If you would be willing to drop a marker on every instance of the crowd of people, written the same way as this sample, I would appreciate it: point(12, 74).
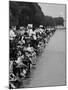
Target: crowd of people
point(26, 43)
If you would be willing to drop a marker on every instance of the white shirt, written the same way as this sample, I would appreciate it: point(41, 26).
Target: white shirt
point(34, 36)
point(11, 34)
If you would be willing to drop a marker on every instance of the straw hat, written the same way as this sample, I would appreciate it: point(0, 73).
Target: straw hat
point(41, 26)
point(30, 26)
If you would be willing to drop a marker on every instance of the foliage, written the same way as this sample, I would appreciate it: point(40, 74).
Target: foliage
point(23, 13)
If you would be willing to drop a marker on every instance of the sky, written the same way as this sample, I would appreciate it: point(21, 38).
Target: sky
point(53, 10)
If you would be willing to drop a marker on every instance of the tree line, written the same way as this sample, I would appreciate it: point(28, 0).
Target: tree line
point(23, 13)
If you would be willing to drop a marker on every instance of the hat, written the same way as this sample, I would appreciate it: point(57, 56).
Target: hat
point(30, 26)
point(41, 26)
point(22, 28)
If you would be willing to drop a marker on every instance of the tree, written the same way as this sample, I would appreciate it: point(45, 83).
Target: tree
point(25, 12)
point(59, 21)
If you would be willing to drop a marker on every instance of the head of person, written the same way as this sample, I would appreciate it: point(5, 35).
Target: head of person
point(30, 26)
point(14, 28)
point(41, 26)
point(22, 28)
point(28, 45)
point(19, 53)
